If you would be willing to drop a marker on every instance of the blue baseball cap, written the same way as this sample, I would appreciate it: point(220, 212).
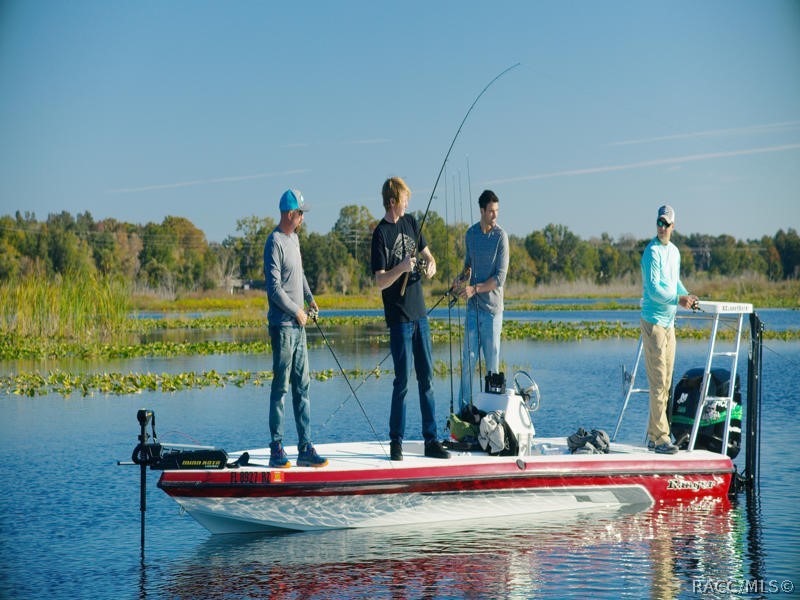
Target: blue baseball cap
point(293, 200)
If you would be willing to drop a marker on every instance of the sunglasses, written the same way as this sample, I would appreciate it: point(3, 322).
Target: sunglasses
point(663, 223)
point(300, 212)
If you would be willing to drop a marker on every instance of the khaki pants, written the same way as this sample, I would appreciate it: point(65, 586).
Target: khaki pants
point(659, 356)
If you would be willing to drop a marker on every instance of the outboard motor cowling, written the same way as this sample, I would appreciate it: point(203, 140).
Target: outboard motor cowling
point(683, 408)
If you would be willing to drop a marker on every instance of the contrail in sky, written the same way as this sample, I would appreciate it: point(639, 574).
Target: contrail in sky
point(647, 163)
point(770, 128)
point(180, 184)
point(364, 142)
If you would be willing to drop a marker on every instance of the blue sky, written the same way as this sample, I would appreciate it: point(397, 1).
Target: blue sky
point(210, 110)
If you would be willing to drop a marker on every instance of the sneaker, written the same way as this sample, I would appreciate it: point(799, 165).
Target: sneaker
point(396, 450)
point(651, 445)
point(277, 456)
point(435, 450)
point(310, 458)
point(666, 448)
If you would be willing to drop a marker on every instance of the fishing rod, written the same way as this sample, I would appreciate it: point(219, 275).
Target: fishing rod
point(444, 162)
point(450, 292)
point(313, 314)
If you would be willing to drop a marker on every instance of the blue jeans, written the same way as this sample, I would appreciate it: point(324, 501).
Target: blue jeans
point(481, 334)
point(289, 365)
point(412, 341)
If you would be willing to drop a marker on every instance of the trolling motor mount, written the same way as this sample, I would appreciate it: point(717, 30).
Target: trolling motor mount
point(173, 457)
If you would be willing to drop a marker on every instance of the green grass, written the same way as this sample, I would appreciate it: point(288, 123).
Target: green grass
point(68, 308)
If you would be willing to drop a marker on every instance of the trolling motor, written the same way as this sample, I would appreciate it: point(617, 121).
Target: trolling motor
point(144, 454)
point(150, 453)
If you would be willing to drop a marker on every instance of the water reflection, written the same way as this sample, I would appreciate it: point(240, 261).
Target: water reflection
point(655, 553)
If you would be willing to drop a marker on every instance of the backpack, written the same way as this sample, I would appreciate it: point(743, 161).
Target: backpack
point(495, 436)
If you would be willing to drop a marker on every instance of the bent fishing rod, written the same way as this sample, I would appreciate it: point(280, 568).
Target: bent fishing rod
point(450, 291)
point(444, 162)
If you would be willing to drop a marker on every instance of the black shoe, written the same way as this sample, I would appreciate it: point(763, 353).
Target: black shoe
point(396, 450)
point(435, 450)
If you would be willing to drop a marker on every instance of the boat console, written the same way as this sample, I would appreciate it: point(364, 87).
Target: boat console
point(515, 404)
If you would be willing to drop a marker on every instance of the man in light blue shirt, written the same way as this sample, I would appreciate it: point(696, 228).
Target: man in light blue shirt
point(486, 266)
point(662, 293)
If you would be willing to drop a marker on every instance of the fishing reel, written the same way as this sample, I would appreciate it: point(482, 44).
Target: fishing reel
point(312, 313)
point(421, 265)
point(457, 289)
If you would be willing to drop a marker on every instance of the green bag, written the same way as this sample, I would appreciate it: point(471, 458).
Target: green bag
point(462, 431)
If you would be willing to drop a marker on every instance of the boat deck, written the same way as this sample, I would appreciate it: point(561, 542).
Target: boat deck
point(366, 456)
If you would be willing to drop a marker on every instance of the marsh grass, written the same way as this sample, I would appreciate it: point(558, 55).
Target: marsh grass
point(76, 308)
point(749, 287)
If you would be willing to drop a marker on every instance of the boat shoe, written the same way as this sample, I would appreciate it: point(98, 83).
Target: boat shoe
point(666, 448)
point(277, 456)
point(435, 450)
point(308, 457)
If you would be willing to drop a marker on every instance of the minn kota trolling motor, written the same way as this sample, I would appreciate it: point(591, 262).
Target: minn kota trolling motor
point(164, 457)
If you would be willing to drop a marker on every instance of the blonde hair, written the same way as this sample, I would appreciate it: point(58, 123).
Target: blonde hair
point(392, 188)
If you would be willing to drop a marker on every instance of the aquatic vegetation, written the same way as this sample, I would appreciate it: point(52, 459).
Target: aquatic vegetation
point(86, 384)
point(27, 334)
point(32, 347)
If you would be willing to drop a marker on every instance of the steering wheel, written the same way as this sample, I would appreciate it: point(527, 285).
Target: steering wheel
point(530, 393)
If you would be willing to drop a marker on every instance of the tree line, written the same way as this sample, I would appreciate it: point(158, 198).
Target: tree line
point(174, 255)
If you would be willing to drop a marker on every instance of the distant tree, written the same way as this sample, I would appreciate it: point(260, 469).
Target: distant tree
point(116, 248)
point(158, 257)
point(327, 263)
point(558, 252)
point(354, 229)
point(609, 259)
point(543, 254)
point(521, 267)
point(190, 251)
point(700, 246)
point(67, 253)
point(788, 246)
point(725, 256)
point(222, 268)
point(249, 247)
point(772, 257)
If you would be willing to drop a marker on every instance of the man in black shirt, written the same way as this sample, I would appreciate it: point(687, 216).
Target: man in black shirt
point(395, 258)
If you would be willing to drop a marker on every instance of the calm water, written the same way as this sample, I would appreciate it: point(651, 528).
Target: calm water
point(69, 516)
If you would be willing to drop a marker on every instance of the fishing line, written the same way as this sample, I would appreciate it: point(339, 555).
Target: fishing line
point(313, 315)
point(377, 369)
point(444, 162)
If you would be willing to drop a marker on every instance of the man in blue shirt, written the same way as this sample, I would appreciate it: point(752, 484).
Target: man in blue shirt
point(662, 293)
point(486, 262)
